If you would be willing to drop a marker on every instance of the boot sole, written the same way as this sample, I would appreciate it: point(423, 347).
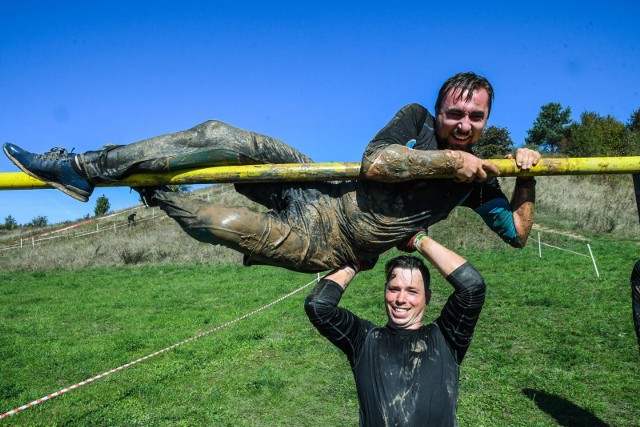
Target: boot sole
point(65, 190)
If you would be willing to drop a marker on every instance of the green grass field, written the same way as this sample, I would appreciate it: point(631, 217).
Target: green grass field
point(554, 346)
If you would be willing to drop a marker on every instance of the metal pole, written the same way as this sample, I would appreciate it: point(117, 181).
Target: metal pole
point(539, 246)
point(594, 260)
point(299, 172)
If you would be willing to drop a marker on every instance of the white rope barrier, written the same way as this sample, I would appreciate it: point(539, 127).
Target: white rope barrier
point(142, 359)
point(595, 266)
point(562, 249)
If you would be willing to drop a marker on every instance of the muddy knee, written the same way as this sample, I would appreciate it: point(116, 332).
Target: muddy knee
point(235, 227)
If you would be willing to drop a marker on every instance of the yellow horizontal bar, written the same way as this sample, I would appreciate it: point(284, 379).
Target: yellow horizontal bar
point(298, 172)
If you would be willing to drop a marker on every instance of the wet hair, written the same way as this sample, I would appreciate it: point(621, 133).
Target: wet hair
point(407, 262)
point(464, 82)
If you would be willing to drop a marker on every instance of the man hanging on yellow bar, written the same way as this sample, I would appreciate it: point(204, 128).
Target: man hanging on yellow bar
point(319, 226)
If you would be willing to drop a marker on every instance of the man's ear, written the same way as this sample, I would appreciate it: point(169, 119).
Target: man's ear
point(427, 297)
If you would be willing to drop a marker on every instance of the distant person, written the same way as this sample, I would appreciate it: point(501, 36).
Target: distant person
point(319, 226)
point(635, 299)
point(406, 372)
point(131, 219)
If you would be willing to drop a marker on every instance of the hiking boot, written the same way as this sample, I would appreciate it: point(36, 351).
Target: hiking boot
point(147, 194)
point(57, 168)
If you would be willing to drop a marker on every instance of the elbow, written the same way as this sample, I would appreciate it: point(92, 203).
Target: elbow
point(317, 311)
point(310, 307)
point(477, 285)
point(381, 175)
point(518, 244)
point(519, 241)
point(481, 287)
point(469, 280)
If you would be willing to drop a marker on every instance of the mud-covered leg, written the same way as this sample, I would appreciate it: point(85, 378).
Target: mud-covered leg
point(212, 143)
point(255, 234)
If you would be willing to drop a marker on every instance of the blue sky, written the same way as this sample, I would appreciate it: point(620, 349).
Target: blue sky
point(323, 76)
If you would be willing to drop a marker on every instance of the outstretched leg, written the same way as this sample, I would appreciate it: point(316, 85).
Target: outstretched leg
point(212, 143)
point(265, 237)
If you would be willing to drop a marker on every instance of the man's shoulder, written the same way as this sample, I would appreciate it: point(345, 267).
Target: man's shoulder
point(417, 109)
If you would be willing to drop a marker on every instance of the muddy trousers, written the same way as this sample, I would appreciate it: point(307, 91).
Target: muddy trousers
point(280, 237)
point(212, 143)
point(308, 241)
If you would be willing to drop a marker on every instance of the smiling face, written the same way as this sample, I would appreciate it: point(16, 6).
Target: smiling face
point(461, 120)
point(406, 298)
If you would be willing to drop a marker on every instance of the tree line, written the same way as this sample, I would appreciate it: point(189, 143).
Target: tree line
point(555, 133)
point(101, 208)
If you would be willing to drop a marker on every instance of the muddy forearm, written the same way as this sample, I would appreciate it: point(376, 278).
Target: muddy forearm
point(397, 163)
point(443, 259)
point(522, 204)
point(342, 275)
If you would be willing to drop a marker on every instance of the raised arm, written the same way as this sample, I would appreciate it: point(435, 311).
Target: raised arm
point(397, 163)
point(522, 204)
point(337, 324)
point(388, 158)
point(512, 221)
point(524, 194)
point(443, 259)
point(460, 314)
point(342, 276)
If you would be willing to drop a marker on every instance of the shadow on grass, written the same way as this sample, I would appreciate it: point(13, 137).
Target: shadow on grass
point(563, 411)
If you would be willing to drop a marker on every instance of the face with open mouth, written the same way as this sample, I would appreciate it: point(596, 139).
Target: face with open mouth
point(460, 121)
point(406, 299)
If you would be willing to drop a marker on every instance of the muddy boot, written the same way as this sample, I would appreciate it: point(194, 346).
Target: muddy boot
point(57, 168)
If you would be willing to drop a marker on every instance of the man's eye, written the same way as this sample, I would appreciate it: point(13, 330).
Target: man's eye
point(477, 117)
point(454, 114)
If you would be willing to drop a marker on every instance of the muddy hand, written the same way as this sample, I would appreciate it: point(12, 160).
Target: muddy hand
point(526, 158)
point(474, 169)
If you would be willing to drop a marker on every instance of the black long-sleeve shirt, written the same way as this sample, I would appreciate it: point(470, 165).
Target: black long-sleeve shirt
point(404, 377)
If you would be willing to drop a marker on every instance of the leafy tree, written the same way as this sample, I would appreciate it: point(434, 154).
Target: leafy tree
point(596, 136)
point(633, 125)
point(10, 223)
point(494, 143)
point(39, 221)
point(631, 143)
point(102, 205)
point(551, 128)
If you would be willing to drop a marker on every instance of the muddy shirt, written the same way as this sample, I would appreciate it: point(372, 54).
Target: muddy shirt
point(377, 216)
point(404, 377)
